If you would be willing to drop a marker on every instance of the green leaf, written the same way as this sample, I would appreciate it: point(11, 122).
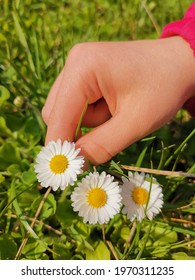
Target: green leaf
point(100, 252)
point(2, 38)
point(33, 249)
point(179, 229)
point(4, 130)
point(8, 247)
point(125, 231)
point(65, 213)
point(189, 210)
point(163, 235)
point(80, 238)
point(19, 213)
point(32, 127)
point(28, 177)
point(9, 154)
point(182, 256)
point(14, 122)
point(2, 178)
point(62, 252)
point(49, 207)
point(4, 95)
point(27, 197)
point(83, 229)
point(14, 169)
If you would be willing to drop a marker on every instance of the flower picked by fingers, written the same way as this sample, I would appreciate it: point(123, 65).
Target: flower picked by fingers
point(97, 198)
point(58, 164)
point(142, 196)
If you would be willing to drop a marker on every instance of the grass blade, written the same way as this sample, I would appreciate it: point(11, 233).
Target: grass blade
point(180, 147)
point(23, 42)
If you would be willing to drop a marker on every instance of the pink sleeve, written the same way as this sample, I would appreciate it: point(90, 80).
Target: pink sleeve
point(184, 27)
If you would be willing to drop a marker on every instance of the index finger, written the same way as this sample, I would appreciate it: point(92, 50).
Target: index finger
point(70, 100)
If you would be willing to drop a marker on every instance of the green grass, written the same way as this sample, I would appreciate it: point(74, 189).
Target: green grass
point(35, 39)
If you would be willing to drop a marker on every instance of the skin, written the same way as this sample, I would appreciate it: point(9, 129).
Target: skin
point(132, 88)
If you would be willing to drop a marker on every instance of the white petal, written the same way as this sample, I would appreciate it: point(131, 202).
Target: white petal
point(102, 214)
point(155, 202)
point(59, 180)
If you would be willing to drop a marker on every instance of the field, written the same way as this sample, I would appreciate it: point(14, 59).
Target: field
point(35, 38)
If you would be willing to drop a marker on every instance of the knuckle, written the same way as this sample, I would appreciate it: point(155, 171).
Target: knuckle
point(78, 51)
point(82, 54)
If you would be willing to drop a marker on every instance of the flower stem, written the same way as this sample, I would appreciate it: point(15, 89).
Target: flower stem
point(144, 243)
point(111, 247)
point(80, 120)
point(130, 238)
point(103, 233)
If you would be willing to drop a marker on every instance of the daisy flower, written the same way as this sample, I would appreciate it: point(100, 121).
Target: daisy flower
point(141, 196)
point(58, 164)
point(97, 198)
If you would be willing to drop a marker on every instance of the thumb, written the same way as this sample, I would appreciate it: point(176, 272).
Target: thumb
point(108, 139)
point(134, 121)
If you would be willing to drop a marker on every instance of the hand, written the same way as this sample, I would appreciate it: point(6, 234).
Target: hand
point(132, 88)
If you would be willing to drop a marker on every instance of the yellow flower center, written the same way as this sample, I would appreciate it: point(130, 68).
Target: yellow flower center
point(140, 195)
point(58, 164)
point(97, 197)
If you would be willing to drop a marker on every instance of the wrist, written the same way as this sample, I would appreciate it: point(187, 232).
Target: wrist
point(184, 28)
point(181, 59)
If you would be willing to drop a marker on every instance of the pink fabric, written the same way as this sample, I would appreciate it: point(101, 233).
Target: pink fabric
point(184, 27)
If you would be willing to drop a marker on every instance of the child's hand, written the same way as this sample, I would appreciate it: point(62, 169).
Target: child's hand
point(133, 88)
